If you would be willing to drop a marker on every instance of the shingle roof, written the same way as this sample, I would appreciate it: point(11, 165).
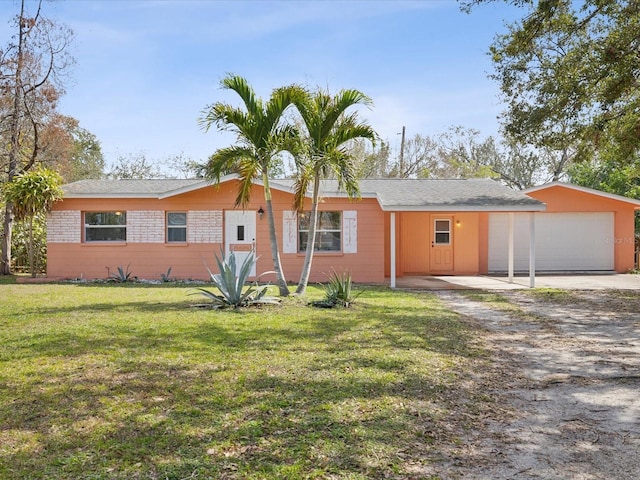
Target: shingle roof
point(392, 194)
point(431, 194)
point(126, 188)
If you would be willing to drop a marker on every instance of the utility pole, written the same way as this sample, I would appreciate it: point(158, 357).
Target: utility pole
point(401, 167)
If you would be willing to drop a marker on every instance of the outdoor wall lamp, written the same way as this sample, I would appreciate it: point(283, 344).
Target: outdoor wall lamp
point(260, 212)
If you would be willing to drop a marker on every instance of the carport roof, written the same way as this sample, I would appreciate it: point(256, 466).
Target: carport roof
point(391, 194)
point(476, 194)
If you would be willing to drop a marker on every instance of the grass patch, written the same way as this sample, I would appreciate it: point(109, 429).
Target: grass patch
point(553, 294)
point(7, 279)
point(127, 381)
point(494, 300)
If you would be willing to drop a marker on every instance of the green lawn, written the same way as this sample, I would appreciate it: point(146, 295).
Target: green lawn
point(130, 382)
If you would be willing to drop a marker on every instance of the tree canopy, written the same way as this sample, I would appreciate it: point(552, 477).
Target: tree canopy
point(569, 73)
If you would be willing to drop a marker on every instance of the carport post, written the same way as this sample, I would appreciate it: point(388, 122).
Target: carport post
point(532, 250)
point(510, 247)
point(393, 248)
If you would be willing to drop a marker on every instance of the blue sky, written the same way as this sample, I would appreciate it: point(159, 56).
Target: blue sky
point(146, 69)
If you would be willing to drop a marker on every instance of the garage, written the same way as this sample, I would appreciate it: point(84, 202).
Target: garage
point(565, 242)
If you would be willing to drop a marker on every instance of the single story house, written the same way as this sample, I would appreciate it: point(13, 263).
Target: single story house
point(398, 227)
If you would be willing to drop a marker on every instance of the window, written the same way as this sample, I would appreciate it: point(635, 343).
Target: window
point(442, 232)
point(328, 232)
point(105, 226)
point(176, 226)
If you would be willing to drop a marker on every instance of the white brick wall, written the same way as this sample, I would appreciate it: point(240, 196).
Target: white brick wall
point(145, 226)
point(204, 226)
point(64, 226)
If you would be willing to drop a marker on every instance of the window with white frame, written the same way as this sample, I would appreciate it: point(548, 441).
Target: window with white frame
point(176, 227)
point(442, 232)
point(105, 226)
point(328, 232)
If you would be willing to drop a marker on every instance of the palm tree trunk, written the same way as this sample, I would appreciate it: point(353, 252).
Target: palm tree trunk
point(273, 237)
point(311, 239)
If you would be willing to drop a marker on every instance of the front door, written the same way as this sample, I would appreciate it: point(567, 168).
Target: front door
point(240, 235)
point(441, 257)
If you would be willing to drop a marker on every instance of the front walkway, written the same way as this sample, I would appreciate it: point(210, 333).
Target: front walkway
point(570, 282)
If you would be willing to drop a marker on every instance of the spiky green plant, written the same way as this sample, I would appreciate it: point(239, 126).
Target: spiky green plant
point(338, 291)
point(166, 277)
point(122, 275)
point(231, 282)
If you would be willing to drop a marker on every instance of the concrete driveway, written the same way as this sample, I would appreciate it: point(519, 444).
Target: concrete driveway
point(569, 282)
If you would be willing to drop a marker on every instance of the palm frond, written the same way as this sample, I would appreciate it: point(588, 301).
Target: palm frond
point(240, 85)
point(225, 160)
point(280, 100)
point(304, 178)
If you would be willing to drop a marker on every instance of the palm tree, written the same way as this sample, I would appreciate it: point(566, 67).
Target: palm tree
point(324, 153)
point(33, 193)
point(261, 135)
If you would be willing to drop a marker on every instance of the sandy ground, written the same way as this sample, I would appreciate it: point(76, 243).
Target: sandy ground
point(570, 369)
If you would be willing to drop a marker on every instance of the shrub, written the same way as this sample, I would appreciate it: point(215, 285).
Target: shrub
point(338, 291)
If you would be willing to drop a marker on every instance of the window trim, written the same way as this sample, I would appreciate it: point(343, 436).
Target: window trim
point(175, 227)
point(436, 231)
point(337, 230)
point(88, 226)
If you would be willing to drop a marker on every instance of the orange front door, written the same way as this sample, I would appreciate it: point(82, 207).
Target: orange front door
point(441, 232)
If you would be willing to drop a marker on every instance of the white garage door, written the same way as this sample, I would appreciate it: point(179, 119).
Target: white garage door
point(565, 242)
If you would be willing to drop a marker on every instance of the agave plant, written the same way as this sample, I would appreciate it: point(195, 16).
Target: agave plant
point(338, 291)
point(122, 276)
point(230, 282)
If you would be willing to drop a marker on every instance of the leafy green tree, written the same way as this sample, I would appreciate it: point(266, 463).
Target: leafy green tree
point(261, 136)
point(22, 232)
point(33, 193)
point(324, 152)
point(609, 175)
point(86, 161)
point(71, 150)
point(569, 74)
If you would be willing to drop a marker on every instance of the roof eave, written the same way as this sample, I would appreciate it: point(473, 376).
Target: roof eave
point(593, 191)
point(110, 195)
point(464, 208)
point(187, 189)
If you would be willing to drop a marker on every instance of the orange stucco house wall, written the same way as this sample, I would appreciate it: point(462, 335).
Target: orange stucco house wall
point(152, 255)
point(439, 227)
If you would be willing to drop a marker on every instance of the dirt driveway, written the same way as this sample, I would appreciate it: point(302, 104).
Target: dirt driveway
point(570, 363)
